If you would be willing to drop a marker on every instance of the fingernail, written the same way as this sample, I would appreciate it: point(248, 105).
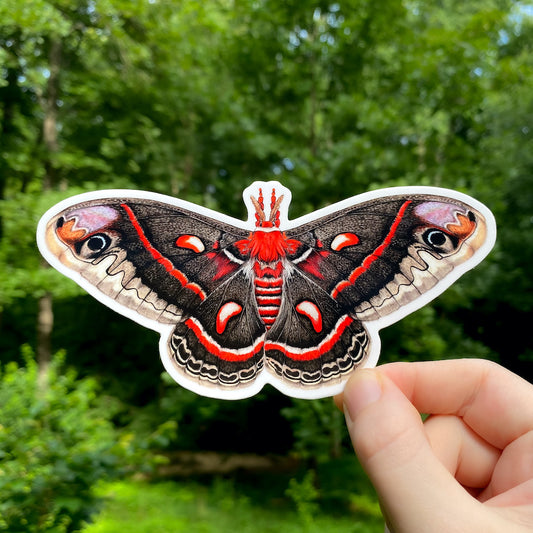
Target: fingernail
point(363, 389)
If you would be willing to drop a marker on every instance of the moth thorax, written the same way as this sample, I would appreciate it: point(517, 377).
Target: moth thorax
point(268, 283)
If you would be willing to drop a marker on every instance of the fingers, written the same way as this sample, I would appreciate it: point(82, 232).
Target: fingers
point(483, 409)
point(478, 465)
point(519, 497)
point(514, 468)
point(414, 487)
point(495, 403)
point(465, 455)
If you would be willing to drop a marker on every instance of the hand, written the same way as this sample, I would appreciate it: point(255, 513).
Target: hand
point(468, 468)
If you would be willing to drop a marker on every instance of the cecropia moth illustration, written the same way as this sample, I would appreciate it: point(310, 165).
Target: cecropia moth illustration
point(294, 303)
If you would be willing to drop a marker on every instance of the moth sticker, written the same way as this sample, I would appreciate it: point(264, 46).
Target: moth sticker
point(294, 303)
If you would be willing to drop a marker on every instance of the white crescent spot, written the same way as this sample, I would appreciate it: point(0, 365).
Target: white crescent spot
point(227, 311)
point(344, 239)
point(312, 312)
point(191, 242)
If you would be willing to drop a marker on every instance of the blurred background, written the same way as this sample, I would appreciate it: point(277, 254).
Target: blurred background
point(196, 100)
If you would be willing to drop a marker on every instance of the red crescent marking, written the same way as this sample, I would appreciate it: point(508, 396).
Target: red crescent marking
point(312, 312)
point(316, 352)
point(342, 240)
point(169, 267)
point(369, 259)
point(228, 310)
point(191, 242)
point(215, 349)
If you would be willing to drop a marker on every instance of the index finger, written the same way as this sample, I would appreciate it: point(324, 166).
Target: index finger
point(494, 402)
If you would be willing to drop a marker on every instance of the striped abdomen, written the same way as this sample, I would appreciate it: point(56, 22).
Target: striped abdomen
point(268, 290)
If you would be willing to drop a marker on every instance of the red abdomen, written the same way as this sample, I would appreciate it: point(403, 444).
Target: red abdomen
point(268, 284)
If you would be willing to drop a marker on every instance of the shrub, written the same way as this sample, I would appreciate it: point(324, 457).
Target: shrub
point(56, 442)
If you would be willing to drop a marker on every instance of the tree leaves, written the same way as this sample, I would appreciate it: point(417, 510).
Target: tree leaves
point(197, 99)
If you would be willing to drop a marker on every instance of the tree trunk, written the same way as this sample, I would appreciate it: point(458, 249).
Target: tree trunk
point(10, 94)
point(45, 324)
point(45, 315)
point(50, 108)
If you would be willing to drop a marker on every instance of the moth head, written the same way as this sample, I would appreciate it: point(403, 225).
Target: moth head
point(445, 226)
point(261, 220)
point(87, 231)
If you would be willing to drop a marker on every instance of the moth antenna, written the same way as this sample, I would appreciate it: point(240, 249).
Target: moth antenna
point(259, 213)
point(274, 213)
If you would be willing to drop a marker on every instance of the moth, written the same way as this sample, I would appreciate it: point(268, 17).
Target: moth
point(294, 303)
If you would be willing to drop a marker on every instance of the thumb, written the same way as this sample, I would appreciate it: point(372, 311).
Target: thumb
point(417, 493)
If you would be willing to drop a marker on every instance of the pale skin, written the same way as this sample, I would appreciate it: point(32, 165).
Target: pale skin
point(468, 468)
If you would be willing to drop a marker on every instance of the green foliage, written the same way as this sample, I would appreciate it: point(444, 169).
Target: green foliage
point(252, 425)
point(221, 507)
point(56, 443)
point(365, 504)
point(20, 263)
point(318, 428)
point(304, 494)
point(430, 334)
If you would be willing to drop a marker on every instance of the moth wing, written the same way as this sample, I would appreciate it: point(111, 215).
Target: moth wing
point(171, 267)
point(314, 342)
point(384, 257)
point(221, 346)
point(140, 256)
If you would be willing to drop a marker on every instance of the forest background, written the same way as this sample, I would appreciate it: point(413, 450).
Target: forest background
point(196, 100)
